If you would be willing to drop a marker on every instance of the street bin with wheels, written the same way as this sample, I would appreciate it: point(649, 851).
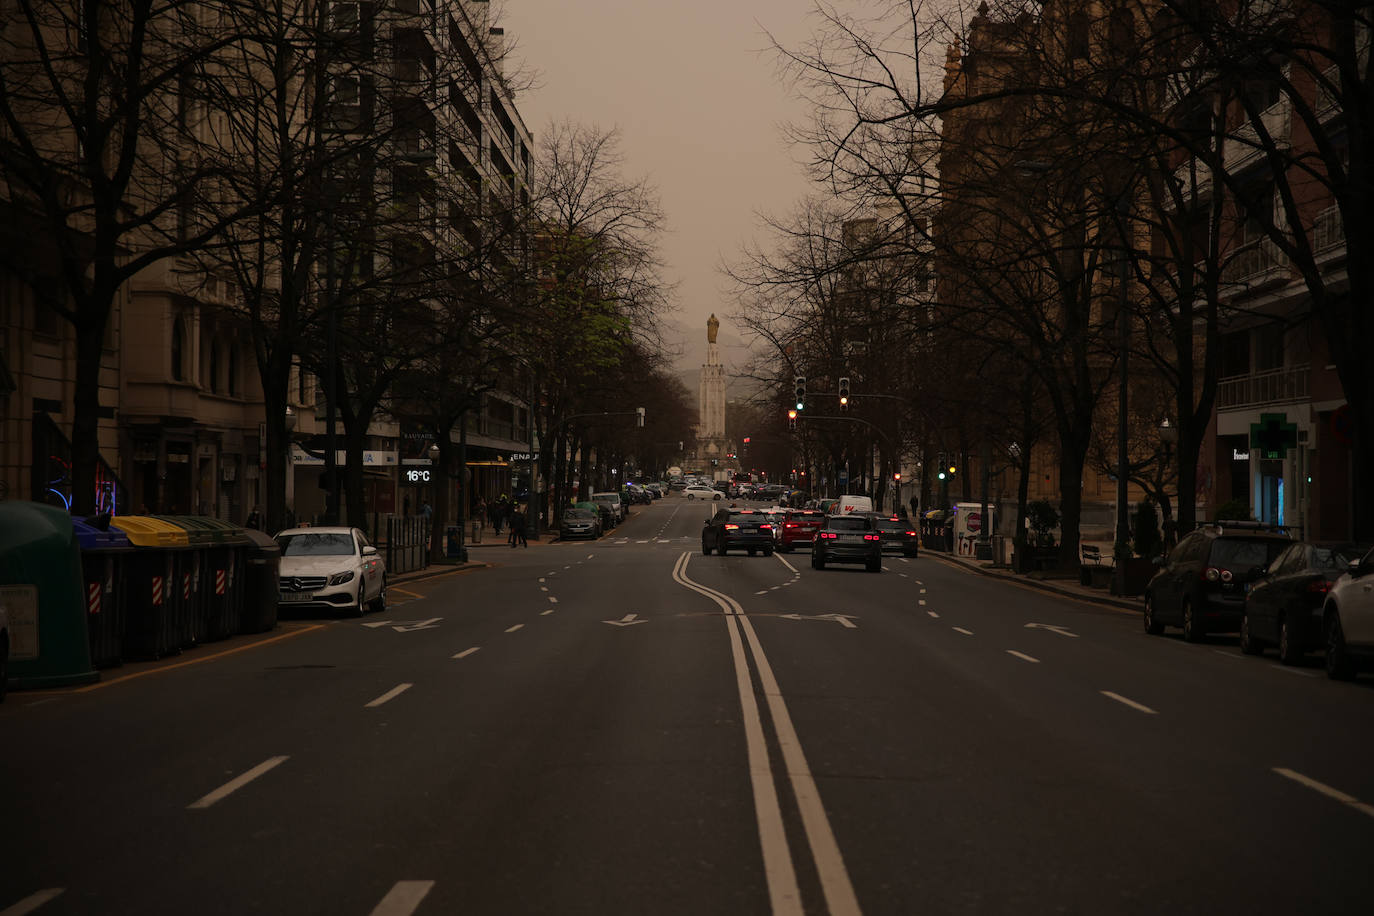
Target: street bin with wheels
point(217, 590)
point(157, 585)
point(40, 590)
point(103, 557)
point(193, 622)
point(261, 582)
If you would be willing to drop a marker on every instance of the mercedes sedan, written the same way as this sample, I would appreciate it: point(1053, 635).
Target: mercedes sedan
point(331, 568)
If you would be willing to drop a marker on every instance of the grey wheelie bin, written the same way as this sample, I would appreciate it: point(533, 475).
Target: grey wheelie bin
point(262, 583)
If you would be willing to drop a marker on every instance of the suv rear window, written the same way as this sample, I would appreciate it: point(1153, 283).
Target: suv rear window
point(848, 523)
point(892, 524)
point(1245, 553)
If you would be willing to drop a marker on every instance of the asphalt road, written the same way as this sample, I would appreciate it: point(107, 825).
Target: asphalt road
point(629, 727)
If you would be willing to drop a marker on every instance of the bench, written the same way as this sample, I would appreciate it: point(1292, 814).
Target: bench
point(1093, 573)
point(1093, 554)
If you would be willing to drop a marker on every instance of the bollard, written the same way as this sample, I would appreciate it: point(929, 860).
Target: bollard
point(476, 532)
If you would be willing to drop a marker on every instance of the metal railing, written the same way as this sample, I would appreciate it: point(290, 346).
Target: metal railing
point(407, 544)
point(1254, 260)
point(1274, 386)
point(1328, 230)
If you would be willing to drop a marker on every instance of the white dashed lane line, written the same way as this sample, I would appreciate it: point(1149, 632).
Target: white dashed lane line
point(238, 782)
point(962, 630)
point(403, 898)
point(518, 626)
point(1326, 790)
point(1023, 656)
point(466, 652)
point(32, 902)
point(546, 613)
point(1131, 703)
point(390, 695)
point(932, 613)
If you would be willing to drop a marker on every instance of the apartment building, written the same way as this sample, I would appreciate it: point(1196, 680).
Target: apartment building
point(182, 425)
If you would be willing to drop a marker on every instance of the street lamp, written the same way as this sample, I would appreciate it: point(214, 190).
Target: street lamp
point(1168, 435)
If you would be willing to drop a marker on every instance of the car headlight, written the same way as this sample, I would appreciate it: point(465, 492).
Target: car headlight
point(341, 578)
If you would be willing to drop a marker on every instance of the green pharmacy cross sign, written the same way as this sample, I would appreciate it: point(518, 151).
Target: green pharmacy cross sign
point(1273, 435)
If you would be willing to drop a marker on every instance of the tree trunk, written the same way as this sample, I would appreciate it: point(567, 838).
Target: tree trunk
point(90, 345)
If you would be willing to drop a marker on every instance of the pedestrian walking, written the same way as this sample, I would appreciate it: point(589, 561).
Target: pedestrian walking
point(496, 518)
point(915, 507)
point(517, 529)
point(254, 519)
point(481, 512)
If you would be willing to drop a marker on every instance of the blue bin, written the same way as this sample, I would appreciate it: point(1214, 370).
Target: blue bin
point(104, 554)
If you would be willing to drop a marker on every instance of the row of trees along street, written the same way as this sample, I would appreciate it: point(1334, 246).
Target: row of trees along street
point(1071, 175)
point(284, 149)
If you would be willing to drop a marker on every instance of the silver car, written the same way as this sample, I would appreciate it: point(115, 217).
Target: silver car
point(331, 568)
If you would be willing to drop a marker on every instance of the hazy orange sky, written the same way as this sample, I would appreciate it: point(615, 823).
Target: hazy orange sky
point(694, 90)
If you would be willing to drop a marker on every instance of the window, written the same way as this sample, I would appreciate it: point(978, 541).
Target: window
point(343, 17)
point(179, 349)
point(1234, 355)
point(232, 381)
point(214, 366)
point(1269, 347)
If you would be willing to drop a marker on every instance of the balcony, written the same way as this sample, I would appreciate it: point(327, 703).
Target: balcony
point(1276, 386)
point(1243, 144)
point(1255, 264)
point(1328, 231)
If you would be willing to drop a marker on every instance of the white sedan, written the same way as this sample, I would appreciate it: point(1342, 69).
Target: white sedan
point(332, 568)
point(699, 492)
point(1349, 621)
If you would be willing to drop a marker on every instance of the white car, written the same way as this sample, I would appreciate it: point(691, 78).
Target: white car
point(613, 502)
point(1348, 619)
point(700, 492)
point(332, 568)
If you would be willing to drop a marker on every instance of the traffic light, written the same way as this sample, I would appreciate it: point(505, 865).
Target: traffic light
point(844, 393)
point(746, 447)
point(791, 419)
point(799, 391)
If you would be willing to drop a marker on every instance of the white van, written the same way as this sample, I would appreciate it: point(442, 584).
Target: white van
point(613, 499)
point(850, 505)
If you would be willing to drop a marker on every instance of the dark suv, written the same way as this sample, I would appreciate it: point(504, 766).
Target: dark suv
point(848, 539)
point(736, 529)
point(1201, 585)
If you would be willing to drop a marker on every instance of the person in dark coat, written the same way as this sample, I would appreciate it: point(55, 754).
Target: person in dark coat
point(517, 529)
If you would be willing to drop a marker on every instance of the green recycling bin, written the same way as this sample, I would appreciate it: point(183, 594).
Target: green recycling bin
point(40, 589)
point(193, 623)
point(216, 598)
point(158, 585)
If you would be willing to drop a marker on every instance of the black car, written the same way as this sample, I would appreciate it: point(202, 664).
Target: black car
point(738, 529)
point(579, 523)
point(1284, 606)
point(1202, 583)
point(848, 539)
point(898, 536)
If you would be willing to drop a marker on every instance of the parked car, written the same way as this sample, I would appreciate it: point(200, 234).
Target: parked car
point(1201, 584)
point(848, 539)
point(799, 528)
point(613, 502)
point(603, 512)
point(737, 529)
point(1284, 606)
point(1348, 621)
point(898, 535)
point(700, 492)
point(579, 523)
point(331, 568)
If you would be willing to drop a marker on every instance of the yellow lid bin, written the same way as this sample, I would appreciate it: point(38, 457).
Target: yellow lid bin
point(159, 581)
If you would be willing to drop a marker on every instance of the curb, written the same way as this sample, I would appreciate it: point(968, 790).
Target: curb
point(1044, 585)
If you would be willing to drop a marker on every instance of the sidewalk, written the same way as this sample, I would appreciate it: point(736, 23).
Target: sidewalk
point(1069, 587)
point(480, 556)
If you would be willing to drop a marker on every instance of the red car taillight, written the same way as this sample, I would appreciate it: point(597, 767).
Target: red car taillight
point(911, 534)
point(1319, 586)
point(873, 537)
point(828, 535)
point(765, 527)
point(790, 525)
point(732, 527)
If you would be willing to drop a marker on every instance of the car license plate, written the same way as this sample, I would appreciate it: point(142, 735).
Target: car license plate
point(297, 596)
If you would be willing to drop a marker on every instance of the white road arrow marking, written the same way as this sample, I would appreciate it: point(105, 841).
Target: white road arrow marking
point(429, 624)
point(1062, 631)
point(627, 621)
point(842, 619)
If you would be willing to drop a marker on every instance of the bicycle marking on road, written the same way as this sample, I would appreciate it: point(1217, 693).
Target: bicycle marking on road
point(1023, 656)
point(403, 898)
point(390, 695)
point(237, 783)
point(33, 902)
point(1141, 707)
point(466, 652)
point(1324, 789)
